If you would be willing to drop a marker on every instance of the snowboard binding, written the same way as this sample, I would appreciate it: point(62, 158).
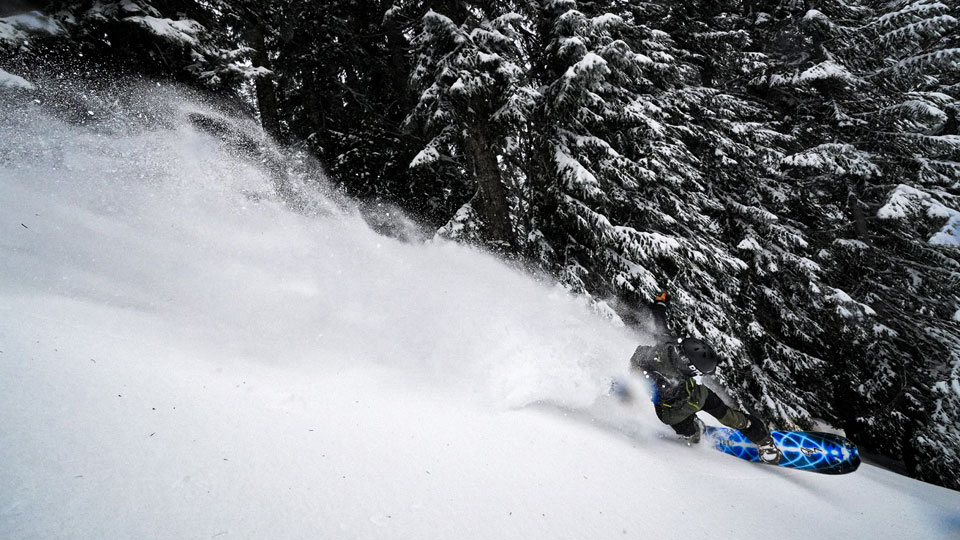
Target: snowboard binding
point(768, 451)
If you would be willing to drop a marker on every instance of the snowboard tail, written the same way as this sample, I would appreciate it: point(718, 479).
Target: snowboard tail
point(814, 451)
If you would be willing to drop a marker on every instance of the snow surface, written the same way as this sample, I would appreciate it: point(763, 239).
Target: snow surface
point(183, 357)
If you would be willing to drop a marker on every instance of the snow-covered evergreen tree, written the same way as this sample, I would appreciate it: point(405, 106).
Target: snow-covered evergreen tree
point(174, 38)
point(617, 192)
point(865, 96)
point(914, 284)
point(773, 338)
point(340, 68)
point(475, 95)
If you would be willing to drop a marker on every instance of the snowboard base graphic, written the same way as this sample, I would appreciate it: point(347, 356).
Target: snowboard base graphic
point(814, 451)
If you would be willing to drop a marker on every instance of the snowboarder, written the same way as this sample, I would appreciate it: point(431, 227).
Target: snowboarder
point(671, 366)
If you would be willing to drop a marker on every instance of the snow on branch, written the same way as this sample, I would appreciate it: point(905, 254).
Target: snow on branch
point(741, 37)
point(907, 201)
point(591, 66)
point(936, 26)
point(424, 157)
point(826, 70)
point(463, 226)
point(945, 58)
point(843, 301)
point(949, 235)
point(588, 141)
point(16, 29)
point(518, 106)
point(943, 143)
point(920, 109)
point(749, 244)
point(183, 31)
point(815, 15)
point(834, 158)
point(434, 22)
point(903, 202)
point(650, 244)
point(936, 171)
point(571, 19)
point(560, 4)
point(922, 8)
point(759, 214)
point(578, 178)
point(9, 81)
point(606, 22)
point(799, 360)
point(572, 46)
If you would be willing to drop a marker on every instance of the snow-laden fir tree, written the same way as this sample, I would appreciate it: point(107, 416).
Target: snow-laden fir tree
point(177, 39)
point(475, 98)
point(773, 340)
point(619, 194)
point(736, 143)
point(918, 222)
point(865, 95)
point(338, 71)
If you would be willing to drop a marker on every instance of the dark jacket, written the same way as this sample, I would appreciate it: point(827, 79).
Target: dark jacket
point(677, 397)
point(660, 363)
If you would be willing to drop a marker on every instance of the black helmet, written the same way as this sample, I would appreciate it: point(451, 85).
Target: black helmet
point(698, 357)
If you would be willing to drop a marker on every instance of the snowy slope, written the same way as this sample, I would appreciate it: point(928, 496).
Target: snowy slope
point(183, 357)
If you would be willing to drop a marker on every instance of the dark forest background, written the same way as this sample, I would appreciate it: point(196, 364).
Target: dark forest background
point(790, 170)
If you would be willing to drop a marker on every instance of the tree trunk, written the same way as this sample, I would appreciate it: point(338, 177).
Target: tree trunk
point(856, 207)
point(266, 94)
point(909, 452)
point(491, 192)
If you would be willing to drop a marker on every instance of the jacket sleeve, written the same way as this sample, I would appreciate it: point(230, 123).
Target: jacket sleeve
point(644, 358)
point(659, 313)
point(666, 384)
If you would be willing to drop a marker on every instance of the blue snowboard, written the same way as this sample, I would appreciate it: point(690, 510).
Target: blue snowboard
point(805, 450)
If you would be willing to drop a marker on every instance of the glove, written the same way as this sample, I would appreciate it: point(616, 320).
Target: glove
point(662, 298)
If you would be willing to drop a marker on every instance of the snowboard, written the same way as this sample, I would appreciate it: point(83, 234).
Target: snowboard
point(814, 451)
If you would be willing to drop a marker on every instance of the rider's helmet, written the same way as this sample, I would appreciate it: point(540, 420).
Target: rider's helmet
point(697, 357)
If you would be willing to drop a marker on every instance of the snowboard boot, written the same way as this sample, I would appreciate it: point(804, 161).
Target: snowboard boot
point(769, 453)
point(757, 433)
point(695, 438)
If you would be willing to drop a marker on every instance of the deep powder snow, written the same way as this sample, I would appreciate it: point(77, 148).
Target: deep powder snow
point(182, 355)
